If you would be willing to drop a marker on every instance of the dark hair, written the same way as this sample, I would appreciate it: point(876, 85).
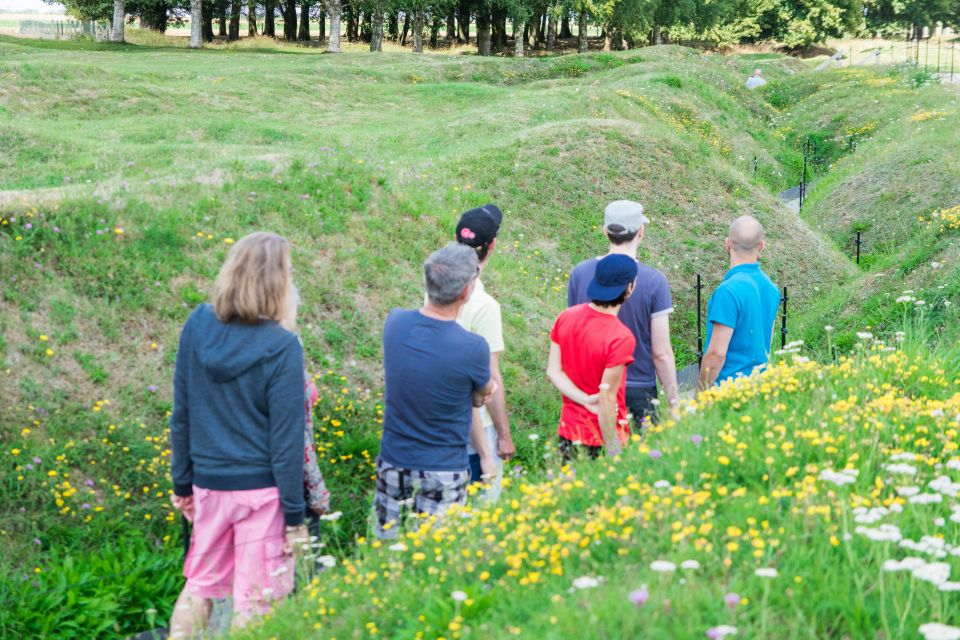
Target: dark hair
point(482, 250)
point(613, 303)
point(618, 235)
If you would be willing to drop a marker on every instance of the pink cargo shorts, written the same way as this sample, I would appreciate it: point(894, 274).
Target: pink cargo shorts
point(237, 548)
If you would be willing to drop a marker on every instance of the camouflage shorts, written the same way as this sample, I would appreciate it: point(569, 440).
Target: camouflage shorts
point(431, 492)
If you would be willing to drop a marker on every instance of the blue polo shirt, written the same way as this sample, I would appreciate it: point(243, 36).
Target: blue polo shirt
point(746, 301)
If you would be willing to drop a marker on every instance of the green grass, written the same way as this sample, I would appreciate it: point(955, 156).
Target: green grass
point(736, 485)
point(364, 162)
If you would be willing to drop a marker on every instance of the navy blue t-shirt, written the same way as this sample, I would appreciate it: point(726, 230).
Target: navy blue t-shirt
point(431, 369)
point(650, 297)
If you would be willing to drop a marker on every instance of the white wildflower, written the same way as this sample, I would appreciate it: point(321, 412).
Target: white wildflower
point(336, 515)
point(459, 596)
point(864, 335)
point(663, 566)
point(903, 469)
point(398, 547)
point(327, 561)
point(585, 582)
point(907, 564)
point(766, 572)
point(934, 572)
point(692, 565)
point(533, 437)
point(906, 492)
point(937, 631)
point(925, 498)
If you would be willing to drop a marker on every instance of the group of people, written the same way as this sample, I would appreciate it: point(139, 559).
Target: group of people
point(243, 461)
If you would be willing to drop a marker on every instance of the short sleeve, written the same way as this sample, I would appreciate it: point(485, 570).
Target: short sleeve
point(478, 362)
point(662, 301)
point(620, 350)
point(489, 325)
point(555, 332)
point(724, 308)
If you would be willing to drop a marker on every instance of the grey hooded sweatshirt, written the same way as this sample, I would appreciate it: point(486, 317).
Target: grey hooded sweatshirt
point(238, 417)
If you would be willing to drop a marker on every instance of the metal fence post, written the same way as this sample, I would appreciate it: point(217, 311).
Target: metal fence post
point(754, 165)
point(783, 319)
point(858, 242)
point(699, 323)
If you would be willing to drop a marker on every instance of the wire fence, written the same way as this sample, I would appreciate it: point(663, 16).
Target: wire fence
point(65, 29)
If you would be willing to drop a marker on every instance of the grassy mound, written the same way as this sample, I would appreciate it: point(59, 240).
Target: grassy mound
point(128, 182)
point(773, 505)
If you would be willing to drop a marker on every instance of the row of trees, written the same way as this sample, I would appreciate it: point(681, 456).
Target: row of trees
point(533, 23)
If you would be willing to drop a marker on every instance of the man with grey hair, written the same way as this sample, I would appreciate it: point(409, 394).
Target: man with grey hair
point(435, 372)
point(742, 311)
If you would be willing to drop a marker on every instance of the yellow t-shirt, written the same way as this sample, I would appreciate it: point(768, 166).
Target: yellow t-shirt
point(481, 315)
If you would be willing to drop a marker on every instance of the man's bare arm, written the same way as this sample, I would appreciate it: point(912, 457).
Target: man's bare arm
point(564, 384)
point(715, 356)
point(609, 386)
point(498, 411)
point(663, 359)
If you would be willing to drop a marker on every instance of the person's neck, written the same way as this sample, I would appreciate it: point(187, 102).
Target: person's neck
point(736, 260)
point(629, 249)
point(610, 311)
point(449, 312)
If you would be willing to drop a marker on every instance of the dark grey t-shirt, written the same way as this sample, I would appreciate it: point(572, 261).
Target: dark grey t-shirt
point(651, 297)
point(431, 369)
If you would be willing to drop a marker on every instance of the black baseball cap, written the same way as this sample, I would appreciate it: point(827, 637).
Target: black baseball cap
point(479, 227)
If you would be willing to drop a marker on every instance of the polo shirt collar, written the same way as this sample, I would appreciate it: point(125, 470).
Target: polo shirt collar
point(742, 268)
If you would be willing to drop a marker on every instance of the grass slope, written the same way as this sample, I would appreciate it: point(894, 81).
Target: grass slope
point(762, 508)
point(133, 167)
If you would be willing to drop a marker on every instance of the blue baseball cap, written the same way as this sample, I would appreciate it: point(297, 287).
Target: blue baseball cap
point(613, 275)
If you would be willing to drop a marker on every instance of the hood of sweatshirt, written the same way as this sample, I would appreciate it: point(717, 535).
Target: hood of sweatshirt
point(228, 350)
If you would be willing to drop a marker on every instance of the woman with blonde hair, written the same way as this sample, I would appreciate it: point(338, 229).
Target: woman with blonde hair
point(237, 437)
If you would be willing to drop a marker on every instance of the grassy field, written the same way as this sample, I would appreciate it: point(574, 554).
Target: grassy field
point(131, 168)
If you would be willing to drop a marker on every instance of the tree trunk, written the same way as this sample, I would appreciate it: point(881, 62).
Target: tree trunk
point(495, 32)
point(418, 30)
point(234, 33)
point(393, 26)
point(376, 27)
point(517, 41)
point(154, 17)
point(322, 26)
point(463, 21)
point(252, 18)
point(451, 26)
point(206, 15)
point(290, 20)
point(222, 19)
point(551, 33)
point(483, 33)
point(655, 36)
point(333, 9)
point(582, 32)
point(269, 19)
point(116, 25)
point(406, 28)
point(565, 27)
point(534, 31)
point(607, 38)
point(435, 31)
point(542, 29)
point(364, 26)
point(304, 33)
point(196, 24)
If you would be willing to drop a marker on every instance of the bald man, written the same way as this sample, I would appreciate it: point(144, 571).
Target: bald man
point(756, 80)
point(742, 311)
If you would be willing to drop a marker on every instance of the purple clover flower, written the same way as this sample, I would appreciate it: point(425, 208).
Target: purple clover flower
point(696, 438)
point(655, 454)
point(639, 596)
point(732, 599)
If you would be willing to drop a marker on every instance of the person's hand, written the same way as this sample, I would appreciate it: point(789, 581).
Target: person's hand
point(493, 389)
point(592, 403)
point(295, 539)
point(674, 408)
point(184, 504)
point(505, 447)
point(488, 468)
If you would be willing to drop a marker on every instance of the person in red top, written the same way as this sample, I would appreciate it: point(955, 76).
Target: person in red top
point(589, 351)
